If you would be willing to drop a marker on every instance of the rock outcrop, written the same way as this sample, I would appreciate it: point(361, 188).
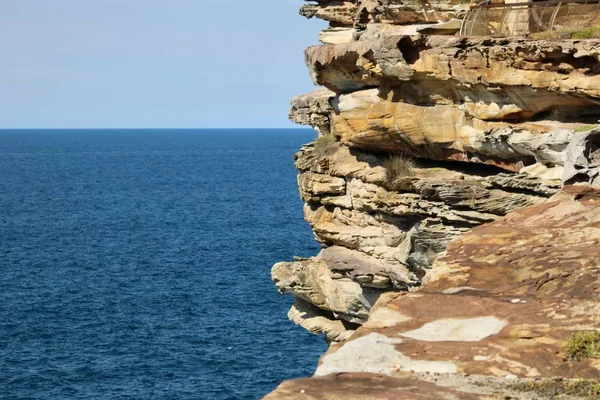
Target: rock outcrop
point(501, 303)
point(380, 235)
point(582, 164)
point(452, 187)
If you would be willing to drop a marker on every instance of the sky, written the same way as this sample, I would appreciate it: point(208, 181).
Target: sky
point(152, 63)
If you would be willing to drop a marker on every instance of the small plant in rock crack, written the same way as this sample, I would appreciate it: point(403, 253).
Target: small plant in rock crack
point(398, 166)
point(585, 128)
point(583, 344)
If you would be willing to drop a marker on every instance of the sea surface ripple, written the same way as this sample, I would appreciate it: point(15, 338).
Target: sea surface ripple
point(135, 264)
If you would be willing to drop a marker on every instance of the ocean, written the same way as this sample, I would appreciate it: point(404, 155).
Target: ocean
point(135, 264)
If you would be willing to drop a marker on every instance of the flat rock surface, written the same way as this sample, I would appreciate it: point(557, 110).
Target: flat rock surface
point(363, 387)
point(543, 251)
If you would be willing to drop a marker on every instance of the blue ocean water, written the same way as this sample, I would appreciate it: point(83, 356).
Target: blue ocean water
point(135, 264)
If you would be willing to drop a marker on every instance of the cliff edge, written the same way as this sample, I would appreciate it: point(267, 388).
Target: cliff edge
point(454, 187)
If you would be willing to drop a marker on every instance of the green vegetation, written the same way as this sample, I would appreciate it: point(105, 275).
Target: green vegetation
point(585, 128)
point(592, 32)
point(583, 344)
point(580, 345)
point(325, 145)
point(589, 388)
point(398, 166)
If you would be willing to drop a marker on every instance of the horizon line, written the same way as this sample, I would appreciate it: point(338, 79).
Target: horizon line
point(150, 129)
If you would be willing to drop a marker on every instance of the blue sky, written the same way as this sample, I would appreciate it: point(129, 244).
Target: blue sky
point(151, 63)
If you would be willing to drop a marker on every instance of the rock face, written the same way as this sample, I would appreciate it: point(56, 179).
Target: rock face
point(379, 235)
point(501, 303)
point(361, 14)
point(507, 103)
point(582, 164)
point(452, 187)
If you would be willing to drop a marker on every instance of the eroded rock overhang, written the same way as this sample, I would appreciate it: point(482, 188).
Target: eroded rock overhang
point(485, 124)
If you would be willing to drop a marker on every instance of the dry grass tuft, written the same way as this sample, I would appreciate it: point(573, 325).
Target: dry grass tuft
point(398, 166)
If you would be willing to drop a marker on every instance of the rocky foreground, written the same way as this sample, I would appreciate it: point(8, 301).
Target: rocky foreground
point(455, 189)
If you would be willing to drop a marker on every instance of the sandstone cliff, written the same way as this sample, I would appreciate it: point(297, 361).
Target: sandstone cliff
point(453, 189)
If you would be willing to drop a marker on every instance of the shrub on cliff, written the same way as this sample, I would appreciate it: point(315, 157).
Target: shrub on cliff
point(592, 32)
point(584, 344)
point(398, 166)
point(559, 387)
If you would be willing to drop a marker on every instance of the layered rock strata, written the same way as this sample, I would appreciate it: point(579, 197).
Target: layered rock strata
point(485, 124)
point(493, 315)
point(380, 236)
point(435, 188)
point(349, 19)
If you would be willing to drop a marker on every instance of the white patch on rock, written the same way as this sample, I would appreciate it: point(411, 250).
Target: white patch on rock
point(542, 171)
point(375, 353)
point(457, 330)
point(336, 35)
point(349, 102)
point(454, 290)
point(384, 317)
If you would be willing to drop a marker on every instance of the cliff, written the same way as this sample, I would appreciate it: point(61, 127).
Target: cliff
point(454, 189)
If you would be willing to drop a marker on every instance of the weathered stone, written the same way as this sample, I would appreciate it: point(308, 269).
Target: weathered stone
point(363, 386)
point(445, 132)
point(313, 186)
point(413, 207)
point(376, 353)
point(431, 137)
point(412, 11)
point(449, 183)
point(382, 238)
point(313, 109)
point(474, 334)
point(583, 159)
point(342, 162)
point(450, 99)
point(498, 63)
point(502, 302)
point(336, 12)
point(364, 13)
point(525, 183)
point(337, 35)
point(313, 282)
point(366, 270)
point(404, 386)
point(318, 321)
point(450, 27)
point(356, 65)
point(544, 250)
